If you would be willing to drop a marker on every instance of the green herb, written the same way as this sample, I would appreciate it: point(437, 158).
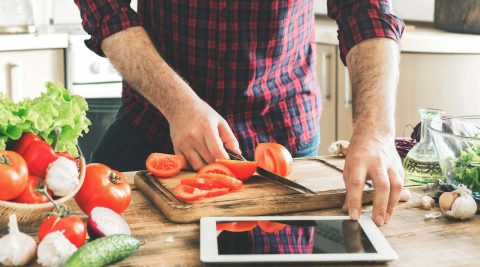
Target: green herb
point(54, 108)
point(467, 167)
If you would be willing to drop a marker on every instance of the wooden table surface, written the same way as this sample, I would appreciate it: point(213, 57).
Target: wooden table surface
point(417, 241)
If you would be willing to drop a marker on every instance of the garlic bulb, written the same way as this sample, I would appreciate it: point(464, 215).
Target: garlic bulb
point(54, 250)
point(426, 203)
point(16, 248)
point(339, 148)
point(62, 176)
point(458, 204)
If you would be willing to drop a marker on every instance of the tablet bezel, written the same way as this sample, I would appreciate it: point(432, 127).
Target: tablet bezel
point(209, 253)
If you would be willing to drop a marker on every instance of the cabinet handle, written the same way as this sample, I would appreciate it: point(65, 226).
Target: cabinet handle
point(326, 91)
point(16, 82)
point(347, 102)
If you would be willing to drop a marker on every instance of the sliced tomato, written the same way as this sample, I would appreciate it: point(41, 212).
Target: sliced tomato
point(202, 183)
point(271, 227)
point(241, 169)
point(216, 168)
point(221, 181)
point(236, 226)
point(215, 192)
point(164, 165)
point(189, 193)
point(274, 157)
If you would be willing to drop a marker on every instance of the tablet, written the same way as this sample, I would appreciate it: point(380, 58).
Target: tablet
point(292, 239)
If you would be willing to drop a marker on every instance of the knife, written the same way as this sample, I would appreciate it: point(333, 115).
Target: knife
point(273, 176)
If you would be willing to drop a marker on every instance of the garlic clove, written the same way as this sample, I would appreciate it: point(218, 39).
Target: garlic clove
point(405, 195)
point(426, 203)
point(446, 200)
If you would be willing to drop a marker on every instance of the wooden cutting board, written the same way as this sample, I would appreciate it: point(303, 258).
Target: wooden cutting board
point(258, 196)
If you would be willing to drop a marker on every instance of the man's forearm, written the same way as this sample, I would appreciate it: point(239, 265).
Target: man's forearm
point(135, 57)
point(373, 68)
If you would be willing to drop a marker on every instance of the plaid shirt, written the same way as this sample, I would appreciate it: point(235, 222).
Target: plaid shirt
point(290, 240)
point(252, 61)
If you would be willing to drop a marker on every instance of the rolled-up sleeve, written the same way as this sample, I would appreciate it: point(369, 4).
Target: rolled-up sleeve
point(359, 20)
point(102, 18)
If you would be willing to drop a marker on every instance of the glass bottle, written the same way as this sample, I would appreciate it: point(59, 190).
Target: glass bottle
point(421, 164)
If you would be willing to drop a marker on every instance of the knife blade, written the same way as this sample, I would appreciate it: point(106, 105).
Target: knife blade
point(273, 176)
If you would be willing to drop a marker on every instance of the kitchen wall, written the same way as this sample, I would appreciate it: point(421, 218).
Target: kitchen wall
point(417, 10)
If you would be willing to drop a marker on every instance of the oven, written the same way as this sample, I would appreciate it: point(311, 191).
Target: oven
point(94, 78)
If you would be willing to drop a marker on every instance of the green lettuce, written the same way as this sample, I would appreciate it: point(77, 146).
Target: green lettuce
point(54, 109)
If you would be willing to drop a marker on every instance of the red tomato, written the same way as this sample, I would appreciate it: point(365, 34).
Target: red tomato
point(188, 193)
point(37, 153)
point(25, 141)
point(241, 169)
point(29, 195)
point(216, 168)
point(271, 227)
point(73, 228)
point(165, 165)
point(236, 226)
point(13, 175)
point(215, 192)
point(221, 181)
point(103, 187)
point(274, 157)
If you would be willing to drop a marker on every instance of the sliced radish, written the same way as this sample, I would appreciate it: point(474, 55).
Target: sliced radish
point(104, 222)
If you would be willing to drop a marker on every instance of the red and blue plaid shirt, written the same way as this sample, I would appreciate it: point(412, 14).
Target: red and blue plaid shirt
point(252, 61)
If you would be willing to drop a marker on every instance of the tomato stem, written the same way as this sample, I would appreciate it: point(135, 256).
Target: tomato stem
point(4, 160)
point(62, 211)
point(114, 178)
point(57, 131)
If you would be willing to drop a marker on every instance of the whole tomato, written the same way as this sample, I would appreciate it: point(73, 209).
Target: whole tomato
point(13, 175)
point(72, 227)
point(29, 195)
point(103, 187)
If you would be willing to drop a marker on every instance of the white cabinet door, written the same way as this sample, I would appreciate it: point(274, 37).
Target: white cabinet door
point(24, 73)
point(344, 103)
point(444, 81)
point(326, 74)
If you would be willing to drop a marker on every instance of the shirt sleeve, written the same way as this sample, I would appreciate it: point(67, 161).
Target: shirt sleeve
point(102, 18)
point(359, 20)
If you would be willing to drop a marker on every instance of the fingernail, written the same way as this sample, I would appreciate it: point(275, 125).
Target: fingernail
point(379, 220)
point(354, 214)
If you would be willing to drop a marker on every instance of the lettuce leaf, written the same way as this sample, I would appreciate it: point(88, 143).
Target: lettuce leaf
point(55, 108)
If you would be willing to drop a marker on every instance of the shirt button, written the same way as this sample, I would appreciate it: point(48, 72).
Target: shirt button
point(225, 12)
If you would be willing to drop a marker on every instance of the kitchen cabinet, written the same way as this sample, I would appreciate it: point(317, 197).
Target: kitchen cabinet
point(24, 73)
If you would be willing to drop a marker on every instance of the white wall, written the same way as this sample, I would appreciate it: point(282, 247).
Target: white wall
point(418, 10)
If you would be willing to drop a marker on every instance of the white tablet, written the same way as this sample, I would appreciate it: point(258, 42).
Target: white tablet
point(292, 239)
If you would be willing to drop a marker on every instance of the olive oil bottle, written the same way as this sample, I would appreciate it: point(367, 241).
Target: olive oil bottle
point(421, 164)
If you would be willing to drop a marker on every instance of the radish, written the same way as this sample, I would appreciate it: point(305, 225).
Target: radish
point(104, 222)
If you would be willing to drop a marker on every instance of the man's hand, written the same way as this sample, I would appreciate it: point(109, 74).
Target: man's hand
point(197, 131)
point(200, 134)
point(373, 68)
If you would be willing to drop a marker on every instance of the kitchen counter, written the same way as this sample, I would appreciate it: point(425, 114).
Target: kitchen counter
point(417, 241)
point(415, 39)
point(12, 42)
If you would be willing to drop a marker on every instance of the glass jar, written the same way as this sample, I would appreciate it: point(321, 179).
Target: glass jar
point(421, 164)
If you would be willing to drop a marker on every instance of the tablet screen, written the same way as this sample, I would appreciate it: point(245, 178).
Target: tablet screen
point(292, 237)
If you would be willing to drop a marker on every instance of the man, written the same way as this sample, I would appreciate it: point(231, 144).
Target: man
point(231, 74)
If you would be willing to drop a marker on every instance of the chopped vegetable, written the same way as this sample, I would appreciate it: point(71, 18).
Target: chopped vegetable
point(42, 115)
point(54, 250)
point(216, 168)
point(274, 157)
point(221, 181)
point(165, 165)
point(104, 251)
point(17, 248)
point(467, 167)
point(188, 193)
point(241, 169)
point(105, 222)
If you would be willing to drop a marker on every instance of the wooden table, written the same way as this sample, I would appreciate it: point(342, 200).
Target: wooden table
point(417, 241)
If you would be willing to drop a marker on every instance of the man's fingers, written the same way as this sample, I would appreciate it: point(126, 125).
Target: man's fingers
point(354, 182)
point(396, 187)
point(228, 138)
point(194, 159)
point(214, 144)
point(381, 184)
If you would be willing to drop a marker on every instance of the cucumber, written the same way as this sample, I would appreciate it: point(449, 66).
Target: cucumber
point(104, 251)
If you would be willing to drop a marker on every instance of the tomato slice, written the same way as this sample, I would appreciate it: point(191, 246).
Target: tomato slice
point(216, 168)
point(215, 192)
point(241, 169)
point(189, 193)
point(236, 226)
point(274, 157)
point(164, 165)
point(221, 181)
point(271, 227)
